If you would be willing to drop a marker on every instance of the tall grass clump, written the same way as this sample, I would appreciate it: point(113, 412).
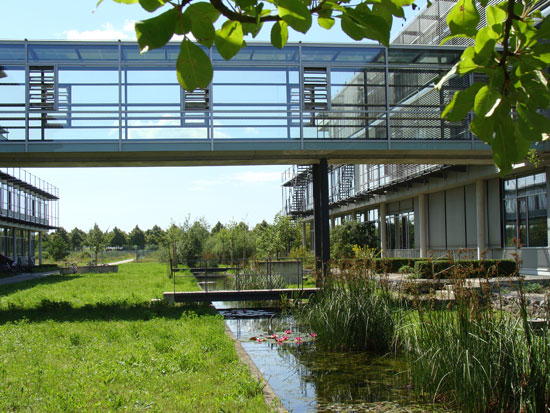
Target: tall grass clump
point(256, 280)
point(477, 357)
point(352, 312)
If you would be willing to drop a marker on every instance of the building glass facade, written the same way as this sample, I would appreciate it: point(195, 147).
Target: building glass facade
point(525, 211)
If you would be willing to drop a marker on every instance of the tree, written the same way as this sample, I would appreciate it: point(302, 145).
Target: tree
point(512, 51)
point(136, 238)
point(117, 238)
point(57, 248)
point(513, 54)
point(96, 240)
point(345, 236)
point(153, 237)
point(76, 239)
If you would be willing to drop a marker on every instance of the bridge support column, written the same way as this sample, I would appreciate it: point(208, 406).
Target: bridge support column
point(321, 218)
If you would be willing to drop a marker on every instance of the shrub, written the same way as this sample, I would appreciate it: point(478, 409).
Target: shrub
point(475, 268)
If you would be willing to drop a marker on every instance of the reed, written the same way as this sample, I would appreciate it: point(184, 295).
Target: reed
point(352, 312)
point(477, 357)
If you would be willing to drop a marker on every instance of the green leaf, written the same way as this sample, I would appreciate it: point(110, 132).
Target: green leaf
point(495, 15)
point(157, 31)
point(201, 16)
point(279, 34)
point(296, 14)
point(361, 23)
point(123, 1)
point(486, 101)
point(252, 28)
point(325, 19)
point(483, 128)
point(325, 22)
point(229, 39)
point(466, 63)
point(202, 9)
point(541, 51)
point(543, 31)
point(537, 124)
point(461, 103)
point(485, 36)
point(463, 18)
point(151, 5)
point(194, 69)
point(203, 30)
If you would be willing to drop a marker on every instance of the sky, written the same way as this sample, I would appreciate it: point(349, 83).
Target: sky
point(146, 196)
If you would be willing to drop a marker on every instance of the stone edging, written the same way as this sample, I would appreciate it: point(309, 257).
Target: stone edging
point(270, 396)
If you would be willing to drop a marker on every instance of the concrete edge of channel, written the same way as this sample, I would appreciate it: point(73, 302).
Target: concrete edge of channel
point(270, 396)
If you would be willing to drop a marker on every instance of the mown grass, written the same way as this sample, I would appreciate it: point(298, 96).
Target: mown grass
point(94, 342)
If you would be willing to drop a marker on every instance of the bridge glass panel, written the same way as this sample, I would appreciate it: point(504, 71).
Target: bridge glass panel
point(12, 52)
point(109, 91)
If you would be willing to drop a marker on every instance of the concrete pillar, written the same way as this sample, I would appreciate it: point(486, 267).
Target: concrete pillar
point(14, 239)
point(423, 225)
point(481, 207)
point(332, 221)
point(354, 216)
point(39, 248)
point(30, 254)
point(382, 228)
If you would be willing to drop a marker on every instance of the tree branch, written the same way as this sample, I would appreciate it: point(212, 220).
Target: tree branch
point(243, 18)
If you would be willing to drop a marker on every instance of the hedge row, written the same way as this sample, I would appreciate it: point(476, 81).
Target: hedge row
point(475, 268)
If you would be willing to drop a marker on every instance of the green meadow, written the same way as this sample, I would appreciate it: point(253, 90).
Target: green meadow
point(95, 342)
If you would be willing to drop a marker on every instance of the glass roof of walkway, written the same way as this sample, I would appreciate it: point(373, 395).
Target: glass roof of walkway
point(67, 103)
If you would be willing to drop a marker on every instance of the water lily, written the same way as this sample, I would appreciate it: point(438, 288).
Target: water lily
point(260, 340)
point(273, 336)
point(313, 334)
point(298, 339)
point(288, 331)
point(285, 338)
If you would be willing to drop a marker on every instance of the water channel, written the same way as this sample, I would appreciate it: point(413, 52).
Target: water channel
point(309, 380)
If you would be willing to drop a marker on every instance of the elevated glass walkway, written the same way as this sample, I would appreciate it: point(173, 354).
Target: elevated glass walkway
point(102, 103)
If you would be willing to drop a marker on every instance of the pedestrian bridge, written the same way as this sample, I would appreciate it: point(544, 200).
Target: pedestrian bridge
point(104, 104)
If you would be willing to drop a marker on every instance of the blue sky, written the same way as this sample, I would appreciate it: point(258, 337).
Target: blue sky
point(126, 197)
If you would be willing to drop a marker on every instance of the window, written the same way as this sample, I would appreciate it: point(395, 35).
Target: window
point(400, 231)
point(525, 211)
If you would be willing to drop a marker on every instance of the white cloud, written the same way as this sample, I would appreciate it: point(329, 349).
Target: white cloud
point(107, 32)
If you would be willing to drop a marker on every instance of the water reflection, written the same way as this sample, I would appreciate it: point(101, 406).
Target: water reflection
point(309, 380)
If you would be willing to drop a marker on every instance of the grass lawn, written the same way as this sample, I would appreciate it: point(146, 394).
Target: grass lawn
point(93, 342)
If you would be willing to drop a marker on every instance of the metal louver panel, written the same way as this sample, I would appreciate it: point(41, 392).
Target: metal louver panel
point(42, 81)
point(316, 91)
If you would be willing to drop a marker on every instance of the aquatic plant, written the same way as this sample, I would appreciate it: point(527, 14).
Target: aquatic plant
point(256, 280)
point(477, 357)
point(352, 312)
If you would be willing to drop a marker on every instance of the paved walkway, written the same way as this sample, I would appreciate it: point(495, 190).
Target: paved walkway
point(26, 276)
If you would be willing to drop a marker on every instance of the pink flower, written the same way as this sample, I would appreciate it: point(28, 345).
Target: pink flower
point(285, 338)
point(260, 340)
point(272, 336)
point(288, 331)
point(313, 334)
point(298, 339)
